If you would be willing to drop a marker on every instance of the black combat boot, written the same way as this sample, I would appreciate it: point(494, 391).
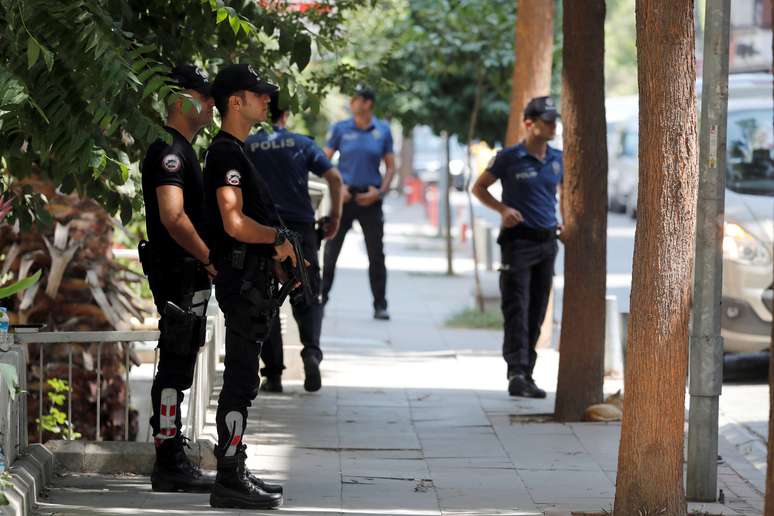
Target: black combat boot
point(264, 486)
point(312, 378)
point(271, 383)
point(233, 488)
point(520, 385)
point(173, 471)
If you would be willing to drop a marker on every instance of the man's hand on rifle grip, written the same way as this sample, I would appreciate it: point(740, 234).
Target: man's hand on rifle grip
point(284, 251)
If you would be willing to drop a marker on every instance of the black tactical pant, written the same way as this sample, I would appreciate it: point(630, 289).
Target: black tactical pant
point(371, 219)
point(177, 353)
point(308, 317)
point(525, 286)
point(248, 323)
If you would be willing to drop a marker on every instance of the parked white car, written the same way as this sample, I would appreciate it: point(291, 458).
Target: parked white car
point(749, 210)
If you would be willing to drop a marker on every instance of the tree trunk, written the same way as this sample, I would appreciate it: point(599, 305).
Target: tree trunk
point(584, 198)
point(650, 460)
point(532, 71)
point(406, 158)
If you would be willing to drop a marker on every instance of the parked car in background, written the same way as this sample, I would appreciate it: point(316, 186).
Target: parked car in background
point(620, 112)
point(749, 210)
point(429, 156)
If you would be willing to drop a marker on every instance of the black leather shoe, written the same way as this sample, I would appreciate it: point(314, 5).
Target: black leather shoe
point(536, 391)
point(173, 472)
point(257, 482)
point(272, 383)
point(313, 380)
point(520, 385)
point(234, 489)
point(381, 314)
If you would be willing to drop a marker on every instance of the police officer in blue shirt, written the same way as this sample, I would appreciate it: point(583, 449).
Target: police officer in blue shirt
point(530, 173)
point(284, 160)
point(362, 141)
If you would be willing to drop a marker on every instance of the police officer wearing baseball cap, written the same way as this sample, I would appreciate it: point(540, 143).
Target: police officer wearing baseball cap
point(176, 261)
point(363, 142)
point(246, 248)
point(284, 160)
point(530, 173)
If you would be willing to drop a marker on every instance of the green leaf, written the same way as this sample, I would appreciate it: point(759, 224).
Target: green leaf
point(268, 26)
point(153, 85)
point(235, 25)
point(287, 35)
point(58, 384)
point(48, 57)
point(33, 52)
point(222, 15)
point(10, 378)
point(126, 211)
point(302, 51)
point(247, 27)
point(20, 285)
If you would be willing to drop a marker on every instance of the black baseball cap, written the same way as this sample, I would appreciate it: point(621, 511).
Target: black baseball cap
point(364, 92)
point(239, 77)
point(190, 77)
point(543, 108)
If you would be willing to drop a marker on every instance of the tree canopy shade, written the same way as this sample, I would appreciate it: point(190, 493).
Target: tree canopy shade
point(82, 89)
point(444, 52)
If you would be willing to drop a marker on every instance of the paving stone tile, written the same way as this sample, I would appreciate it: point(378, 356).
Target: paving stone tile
point(369, 494)
point(563, 486)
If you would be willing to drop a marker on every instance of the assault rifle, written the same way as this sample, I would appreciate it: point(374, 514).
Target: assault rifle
point(298, 280)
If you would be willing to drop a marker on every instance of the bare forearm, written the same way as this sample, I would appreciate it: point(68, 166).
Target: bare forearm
point(487, 199)
point(334, 187)
point(183, 232)
point(387, 179)
point(249, 231)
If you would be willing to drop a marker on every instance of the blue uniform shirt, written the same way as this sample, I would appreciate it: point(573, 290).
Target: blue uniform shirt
point(284, 159)
point(360, 150)
point(529, 185)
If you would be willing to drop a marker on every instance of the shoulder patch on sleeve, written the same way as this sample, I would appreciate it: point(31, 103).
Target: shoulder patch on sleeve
point(171, 163)
point(233, 177)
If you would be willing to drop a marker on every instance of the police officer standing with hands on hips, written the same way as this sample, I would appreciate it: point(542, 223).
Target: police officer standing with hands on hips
point(246, 251)
point(362, 141)
point(176, 261)
point(530, 173)
point(284, 160)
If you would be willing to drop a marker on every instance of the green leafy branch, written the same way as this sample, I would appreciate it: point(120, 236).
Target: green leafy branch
point(56, 420)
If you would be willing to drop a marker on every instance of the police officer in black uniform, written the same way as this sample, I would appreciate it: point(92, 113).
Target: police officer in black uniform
point(246, 251)
point(284, 160)
point(530, 173)
point(176, 261)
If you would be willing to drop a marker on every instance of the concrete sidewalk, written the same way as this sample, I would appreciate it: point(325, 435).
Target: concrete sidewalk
point(413, 418)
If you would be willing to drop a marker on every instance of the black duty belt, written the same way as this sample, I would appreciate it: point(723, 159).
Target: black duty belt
point(526, 233)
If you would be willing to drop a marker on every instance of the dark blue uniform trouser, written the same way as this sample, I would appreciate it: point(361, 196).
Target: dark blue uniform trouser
point(371, 219)
point(525, 286)
point(308, 317)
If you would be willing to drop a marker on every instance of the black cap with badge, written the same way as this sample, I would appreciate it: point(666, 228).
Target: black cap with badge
point(364, 92)
point(238, 77)
point(543, 108)
point(190, 77)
